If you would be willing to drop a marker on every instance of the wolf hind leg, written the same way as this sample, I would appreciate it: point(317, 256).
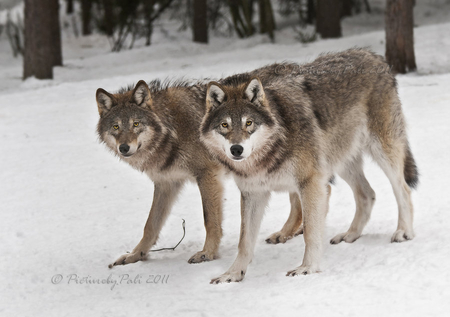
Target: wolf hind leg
point(293, 226)
point(164, 196)
point(391, 159)
point(364, 195)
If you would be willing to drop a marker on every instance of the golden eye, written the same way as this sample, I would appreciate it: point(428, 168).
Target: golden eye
point(116, 126)
point(249, 123)
point(225, 125)
point(136, 124)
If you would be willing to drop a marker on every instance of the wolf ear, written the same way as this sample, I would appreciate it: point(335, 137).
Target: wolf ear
point(255, 92)
point(105, 101)
point(214, 95)
point(141, 94)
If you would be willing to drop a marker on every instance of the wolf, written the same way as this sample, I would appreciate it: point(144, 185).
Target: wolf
point(295, 129)
point(155, 128)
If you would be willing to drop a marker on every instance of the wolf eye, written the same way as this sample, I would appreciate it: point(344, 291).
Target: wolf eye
point(116, 126)
point(136, 124)
point(249, 123)
point(225, 125)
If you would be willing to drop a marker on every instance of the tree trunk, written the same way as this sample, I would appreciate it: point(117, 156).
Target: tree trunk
point(266, 19)
point(86, 10)
point(69, 8)
point(247, 10)
point(200, 21)
point(55, 30)
point(400, 36)
point(347, 6)
point(311, 17)
point(39, 38)
point(242, 22)
point(328, 23)
point(148, 7)
point(108, 16)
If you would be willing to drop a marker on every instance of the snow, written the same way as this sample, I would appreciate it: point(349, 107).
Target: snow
point(69, 207)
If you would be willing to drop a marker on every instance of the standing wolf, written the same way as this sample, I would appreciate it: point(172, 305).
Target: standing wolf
point(155, 129)
point(294, 130)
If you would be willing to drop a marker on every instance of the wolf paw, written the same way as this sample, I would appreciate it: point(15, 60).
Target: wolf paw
point(402, 235)
point(129, 258)
point(302, 270)
point(202, 256)
point(278, 237)
point(348, 237)
point(228, 277)
point(282, 237)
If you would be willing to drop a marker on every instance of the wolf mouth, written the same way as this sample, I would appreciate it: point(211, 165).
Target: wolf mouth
point(237, 158)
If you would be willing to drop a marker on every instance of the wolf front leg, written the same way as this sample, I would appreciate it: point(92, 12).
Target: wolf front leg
point(313, 195)
point(252, 210)
point(163, 199)
point(211, 191)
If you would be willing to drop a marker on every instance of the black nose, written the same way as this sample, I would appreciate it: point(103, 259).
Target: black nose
point(124, 148)
point(236, 150)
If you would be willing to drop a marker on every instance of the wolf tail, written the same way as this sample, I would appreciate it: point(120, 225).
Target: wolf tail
point(410, 170)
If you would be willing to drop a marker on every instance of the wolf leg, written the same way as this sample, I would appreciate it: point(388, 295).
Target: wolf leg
point(163, 199)
point(313, 196)
point(364, 195)
point(293, 225)
point(389, 148)
point(392, 164)
point(252, 211)
point(211, 191)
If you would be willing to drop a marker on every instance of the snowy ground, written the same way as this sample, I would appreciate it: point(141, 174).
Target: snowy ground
point(70, 208)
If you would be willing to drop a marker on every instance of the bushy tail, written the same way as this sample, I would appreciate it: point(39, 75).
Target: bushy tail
point(410, 171)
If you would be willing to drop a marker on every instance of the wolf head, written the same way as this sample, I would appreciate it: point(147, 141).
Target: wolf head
point(128, 125)
point(238, 123)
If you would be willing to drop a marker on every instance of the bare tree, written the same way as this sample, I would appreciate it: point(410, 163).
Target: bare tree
point(134, 18)
point(14, 30)
point(86, 16)
point(149, 10)
point(347, 6)
point(69, 8)
point(108, 18)
point(311, 12)
point(41, 36)
point(266, 18)
point(328, 22)
point(55, 33)
point(200, 21)
point(242, 15)
point(400, 35)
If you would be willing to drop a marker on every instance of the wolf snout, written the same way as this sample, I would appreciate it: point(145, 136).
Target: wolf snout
point(124, 148)
point(236, 150)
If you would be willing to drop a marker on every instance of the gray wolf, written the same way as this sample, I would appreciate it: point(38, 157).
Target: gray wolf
point(155, 128)
point(295, 129)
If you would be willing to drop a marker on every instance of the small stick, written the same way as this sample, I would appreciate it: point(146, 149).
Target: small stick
point(184, 233)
